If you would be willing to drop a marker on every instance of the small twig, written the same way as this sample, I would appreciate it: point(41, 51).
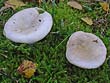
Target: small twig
point(55, 32)
point(61, 42)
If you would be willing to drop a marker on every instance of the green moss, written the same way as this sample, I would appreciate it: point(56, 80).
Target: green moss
point(49, 53)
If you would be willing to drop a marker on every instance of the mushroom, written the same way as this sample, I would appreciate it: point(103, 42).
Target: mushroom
point(28, 26)
point(85, 50)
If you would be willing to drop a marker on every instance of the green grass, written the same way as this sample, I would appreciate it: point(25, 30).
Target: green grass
point(49, 53)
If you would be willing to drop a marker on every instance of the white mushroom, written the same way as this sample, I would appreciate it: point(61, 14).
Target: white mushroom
point(28, 25)
point(85, 50)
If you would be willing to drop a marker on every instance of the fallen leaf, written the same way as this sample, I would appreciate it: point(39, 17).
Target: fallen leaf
point(14, 3)
point(87, 20)
point(75, 4)
point(105, 6)
point(29, 72)
point(5, 7)
point(27, 68)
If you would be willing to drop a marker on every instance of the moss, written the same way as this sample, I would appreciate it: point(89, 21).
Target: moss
point(49, 53)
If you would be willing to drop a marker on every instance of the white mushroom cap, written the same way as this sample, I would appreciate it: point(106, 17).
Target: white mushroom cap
point(28, 25)
point(85, 50)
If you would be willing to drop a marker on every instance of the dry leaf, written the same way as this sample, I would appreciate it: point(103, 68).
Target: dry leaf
point(15, 3)
point(75, 4)
point(27, 68)
point(5, 7)
point(87, 20)
point(29, 72)
point(105, 6)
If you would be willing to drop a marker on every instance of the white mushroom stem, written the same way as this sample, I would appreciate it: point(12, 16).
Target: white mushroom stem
point(28, 25)
point(85, 50)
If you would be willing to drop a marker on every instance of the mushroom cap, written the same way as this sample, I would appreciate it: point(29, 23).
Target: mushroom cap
point(85, 50)
point(28, 25)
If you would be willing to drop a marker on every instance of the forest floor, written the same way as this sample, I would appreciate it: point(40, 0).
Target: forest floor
point(49, 53)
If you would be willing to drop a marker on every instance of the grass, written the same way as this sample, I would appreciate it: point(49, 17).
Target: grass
point(49, 53)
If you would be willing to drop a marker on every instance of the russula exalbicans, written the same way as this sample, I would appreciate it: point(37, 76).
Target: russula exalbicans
point(85, 50)
point(28, 25)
